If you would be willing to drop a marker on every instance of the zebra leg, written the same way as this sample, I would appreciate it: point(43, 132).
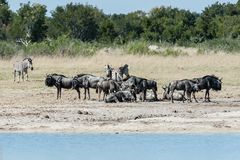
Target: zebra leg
point(22, 76)
point(19, 75)
point(27, 75)
point(14, 75)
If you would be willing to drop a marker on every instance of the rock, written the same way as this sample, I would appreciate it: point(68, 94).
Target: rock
point(84, 112)
point(47, 116)
point(80, 112)
point(138, 117)
point(175, 111)
point(189, 111)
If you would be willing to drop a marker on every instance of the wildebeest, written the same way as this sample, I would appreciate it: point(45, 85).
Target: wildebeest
point(22, 68)
point(121, 96)
point(60, 81)
point(177, 96)
point(86, 81)
point(208, 82)
point(107, 86)
point(186, 85)
point(116, 75)
point(141, 85)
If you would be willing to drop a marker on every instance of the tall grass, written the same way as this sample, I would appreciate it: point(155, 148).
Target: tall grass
point(227, 45)
point(8, 49)
point(64, 46)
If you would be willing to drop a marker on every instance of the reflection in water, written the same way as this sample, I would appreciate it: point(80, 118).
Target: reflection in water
point(119, 147)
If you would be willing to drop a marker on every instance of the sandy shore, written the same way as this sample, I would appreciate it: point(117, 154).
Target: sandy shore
point(39, 111)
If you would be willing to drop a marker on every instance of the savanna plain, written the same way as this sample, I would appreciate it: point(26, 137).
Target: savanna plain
point(31, 106)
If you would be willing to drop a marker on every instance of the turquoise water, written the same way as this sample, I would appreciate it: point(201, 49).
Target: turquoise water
point(119, 147)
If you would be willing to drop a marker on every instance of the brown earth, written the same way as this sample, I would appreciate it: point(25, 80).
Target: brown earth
point(39, 111)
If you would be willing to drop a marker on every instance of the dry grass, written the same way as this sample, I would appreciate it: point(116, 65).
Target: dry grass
point(161, 69)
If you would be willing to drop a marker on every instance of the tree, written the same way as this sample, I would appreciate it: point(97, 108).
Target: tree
point(30, 22)
point(5, 18)
point(107, 32)
point(169, 24)
point(77, 21)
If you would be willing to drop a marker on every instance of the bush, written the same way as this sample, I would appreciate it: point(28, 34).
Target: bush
point(64, 46)
point(137, 47)
point(225, 44)
point(8, 49)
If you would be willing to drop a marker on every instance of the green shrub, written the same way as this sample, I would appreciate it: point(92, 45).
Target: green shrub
point(8, 49)
point(137, 47)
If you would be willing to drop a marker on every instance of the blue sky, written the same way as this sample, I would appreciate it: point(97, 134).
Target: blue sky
point(124, 6)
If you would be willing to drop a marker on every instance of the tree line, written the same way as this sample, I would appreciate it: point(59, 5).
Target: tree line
point(87, 23)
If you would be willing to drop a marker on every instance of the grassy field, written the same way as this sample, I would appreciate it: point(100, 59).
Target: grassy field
point(162, 69)
point(159, 68)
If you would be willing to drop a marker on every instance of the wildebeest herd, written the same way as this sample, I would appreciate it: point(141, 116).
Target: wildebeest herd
point(120, 86)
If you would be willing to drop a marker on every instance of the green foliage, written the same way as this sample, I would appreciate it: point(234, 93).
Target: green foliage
point(8, 49)
point(63, 46)
point(224, 44)
point(137, 47)
point(77, 21)
point(29, 23)
point(141, 48)
point(5, 18)
point(77, 29)
point(107, 32)
point(170, 25)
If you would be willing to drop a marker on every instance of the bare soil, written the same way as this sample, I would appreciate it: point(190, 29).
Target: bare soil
point(37, 110)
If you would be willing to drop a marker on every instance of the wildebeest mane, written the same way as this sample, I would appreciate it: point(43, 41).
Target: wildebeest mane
point(212, 76)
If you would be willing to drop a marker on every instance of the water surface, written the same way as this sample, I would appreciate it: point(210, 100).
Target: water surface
point(119, 147)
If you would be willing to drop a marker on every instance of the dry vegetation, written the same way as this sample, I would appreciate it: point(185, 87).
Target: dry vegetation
point(31, 106)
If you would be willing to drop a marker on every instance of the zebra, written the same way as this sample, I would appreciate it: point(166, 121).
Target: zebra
point(22, 68)
point(117, 75)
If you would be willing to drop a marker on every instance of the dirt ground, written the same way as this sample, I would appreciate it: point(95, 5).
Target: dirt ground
point(37, 110)
point(32, 107)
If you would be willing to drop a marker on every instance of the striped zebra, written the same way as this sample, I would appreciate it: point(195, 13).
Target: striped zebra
point(117, 75)
point(22, 68)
